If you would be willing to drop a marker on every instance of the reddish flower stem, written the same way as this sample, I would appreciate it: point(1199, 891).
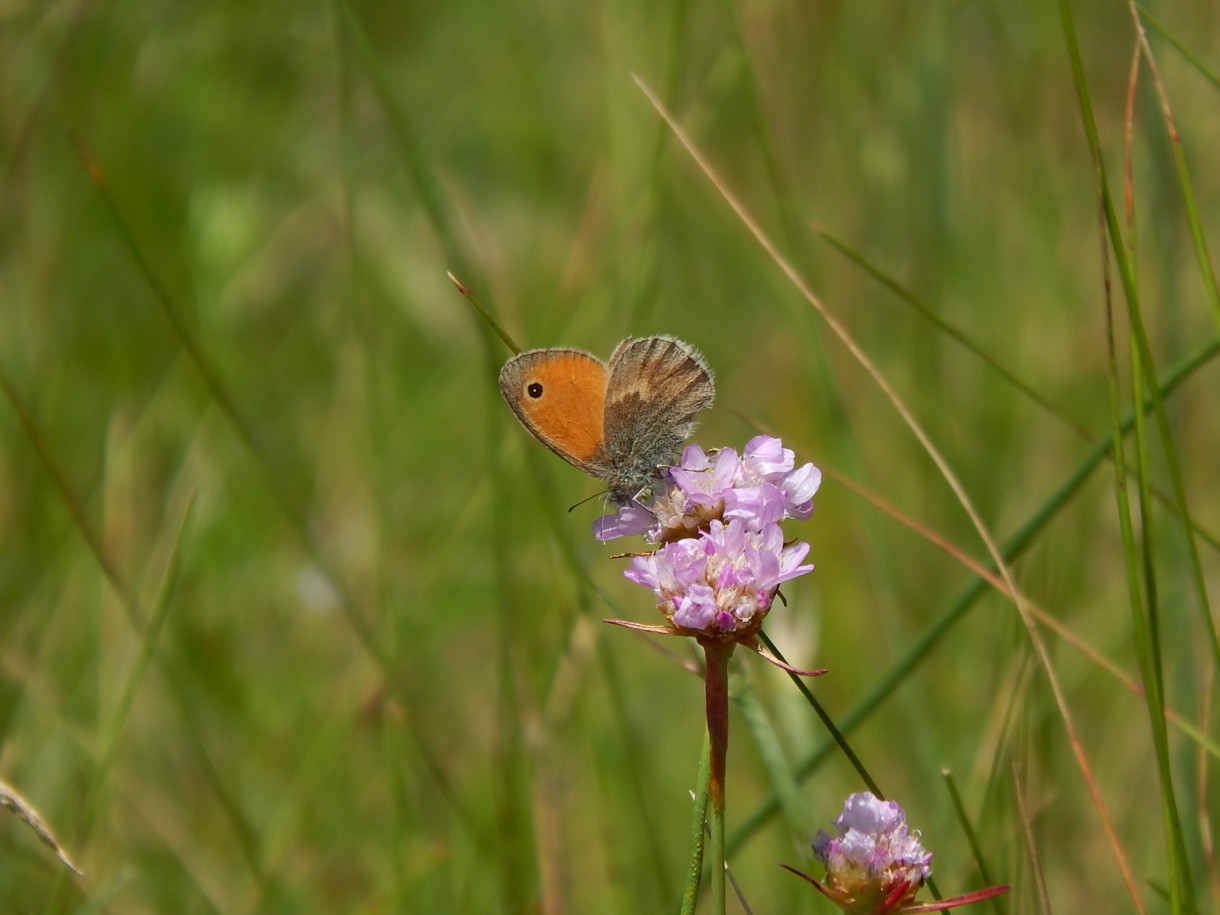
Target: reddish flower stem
point(716, 691)
point(716, 687)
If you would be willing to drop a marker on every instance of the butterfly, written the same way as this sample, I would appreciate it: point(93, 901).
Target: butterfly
point(622, 420)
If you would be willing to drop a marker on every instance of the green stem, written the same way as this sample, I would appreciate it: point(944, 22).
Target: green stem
point(698, 833)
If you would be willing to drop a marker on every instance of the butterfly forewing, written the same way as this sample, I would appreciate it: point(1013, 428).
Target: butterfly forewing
point(559, 396)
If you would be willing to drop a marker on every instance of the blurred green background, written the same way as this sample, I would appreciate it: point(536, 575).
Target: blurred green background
point(293, 617)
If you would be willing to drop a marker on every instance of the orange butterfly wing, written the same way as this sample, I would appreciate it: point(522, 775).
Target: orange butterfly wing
point(559, 395)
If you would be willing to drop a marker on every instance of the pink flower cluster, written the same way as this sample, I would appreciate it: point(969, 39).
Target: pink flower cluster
point(724, 556)
point(722, 581)
point(874, 863)
point(760, 487)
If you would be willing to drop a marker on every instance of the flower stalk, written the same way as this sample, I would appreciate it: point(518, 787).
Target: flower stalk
point(716, 692)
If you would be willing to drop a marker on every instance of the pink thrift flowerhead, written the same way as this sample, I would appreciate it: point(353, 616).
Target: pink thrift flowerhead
point(874, 864)
point(720, 584)
point(762, 486)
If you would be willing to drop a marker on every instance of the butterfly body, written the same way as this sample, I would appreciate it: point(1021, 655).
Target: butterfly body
point(621, 421)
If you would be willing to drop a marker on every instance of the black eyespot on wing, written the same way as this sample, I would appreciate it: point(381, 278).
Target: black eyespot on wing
point(534, 389)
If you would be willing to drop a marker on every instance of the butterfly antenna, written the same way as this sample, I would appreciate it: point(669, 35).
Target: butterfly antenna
point(583, 501)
